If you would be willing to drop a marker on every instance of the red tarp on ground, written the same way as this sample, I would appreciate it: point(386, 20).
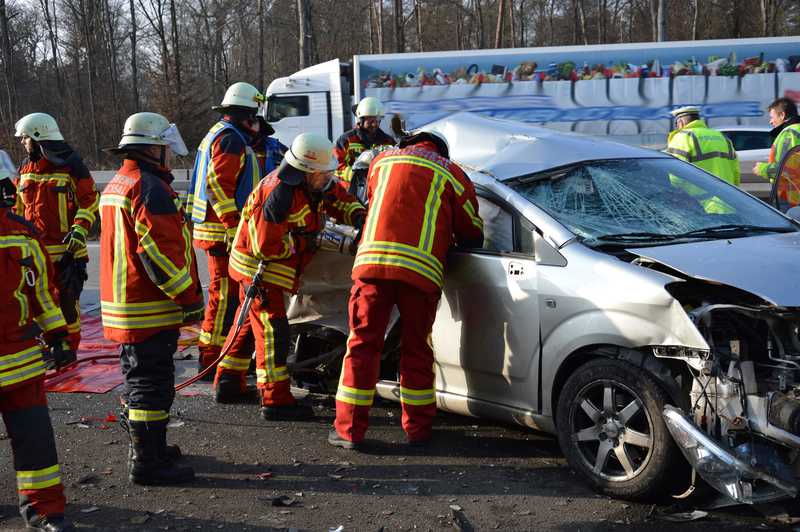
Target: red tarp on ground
point(100, 376)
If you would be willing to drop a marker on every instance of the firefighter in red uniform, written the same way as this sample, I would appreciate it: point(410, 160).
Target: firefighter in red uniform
point(419, 201)
point(30, 302)
point(57, 194)
point(148, 288)
point(279, 228)
point(225, 172)
point(366, 135)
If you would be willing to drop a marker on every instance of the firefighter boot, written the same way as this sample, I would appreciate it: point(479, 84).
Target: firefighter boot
point(52, 523)
point(232, 388)
point(208, 356)
point(171, 453)
point(146, 465)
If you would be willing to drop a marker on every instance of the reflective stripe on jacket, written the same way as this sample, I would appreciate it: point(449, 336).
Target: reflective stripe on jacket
point(56, 197)
point(147, 264)
point(353, 143)
point(417, 202)
point(29, 299)
point(225, 172)
point(706, 148)
point(275, 224)
point(788, 138)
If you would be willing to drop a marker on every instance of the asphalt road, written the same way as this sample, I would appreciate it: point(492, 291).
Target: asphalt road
point(476, 475)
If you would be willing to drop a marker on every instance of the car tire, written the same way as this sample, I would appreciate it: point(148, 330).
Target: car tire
point(610, 428)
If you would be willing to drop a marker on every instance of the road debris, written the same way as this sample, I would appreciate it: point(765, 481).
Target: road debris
point(264, 476)
point(283, 500)
point(683, 517)
point(90, 510)
point(140, 519)
point(460, 521)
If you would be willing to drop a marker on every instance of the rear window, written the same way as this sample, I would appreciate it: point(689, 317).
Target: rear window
point(749, 140)
point(280, 107)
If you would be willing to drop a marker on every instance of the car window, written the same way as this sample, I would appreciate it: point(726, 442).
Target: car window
point(280, 107)
point(644, 198)
point(749, 140)
point(498, 226)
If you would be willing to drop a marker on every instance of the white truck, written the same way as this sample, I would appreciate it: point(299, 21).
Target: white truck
point(624, 91)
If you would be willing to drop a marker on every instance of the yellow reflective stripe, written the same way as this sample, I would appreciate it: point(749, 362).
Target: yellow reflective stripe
point(476, 220)
point(354, 396)
point(376, 203)
point(141, 308)
point(26, 372)
point(120, 263)
point(62, 211)
point(115, 200)
point(268, 374)
point(142, 322)
point(39, 478)
point(432, 204)
point(382, 247)
point(134, 414)
point(300, 215)
point(279, 374)
point(217, 336)
point(26, 356)
point(50, 320)
point(225, 206)
point(235, 363)
point(150, 246)
point(367, 259)
point(41, 284)
point(22, 299)
point(417, 397)
point(244, 258)
point(57, 178)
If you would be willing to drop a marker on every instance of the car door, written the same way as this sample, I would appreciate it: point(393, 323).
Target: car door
point(486, 335)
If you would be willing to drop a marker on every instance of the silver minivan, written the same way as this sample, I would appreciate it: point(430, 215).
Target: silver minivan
point(642, 310)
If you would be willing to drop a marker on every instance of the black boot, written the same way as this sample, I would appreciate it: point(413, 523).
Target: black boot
point(295, 412)
point(53, 523)
point(228, 390)
point(146, 464)
point(172, 453)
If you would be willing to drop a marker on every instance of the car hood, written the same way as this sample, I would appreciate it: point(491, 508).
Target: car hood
point(767, 266)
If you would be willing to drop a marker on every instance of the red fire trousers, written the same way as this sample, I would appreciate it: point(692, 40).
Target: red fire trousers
point(33, 445)
point(371, 304)
point(220, 309)
point(266, 326)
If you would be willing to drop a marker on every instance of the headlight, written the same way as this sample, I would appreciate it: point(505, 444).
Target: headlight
point(719, 467)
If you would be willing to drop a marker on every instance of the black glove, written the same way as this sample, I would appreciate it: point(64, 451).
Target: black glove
point(193, 313)
point(60, 353)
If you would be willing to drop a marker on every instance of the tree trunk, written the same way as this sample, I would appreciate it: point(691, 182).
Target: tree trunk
point(523, 39)
point(304, 28)
point(112, 63)
point(661, 35)
point(8, 65)
point(418, 15)
point(695, 17)
point(371, 12)
point(381, 45)
point(90, 63)
point(399, 30)
point(479, 15)
point(584, 35)
point(134, 66)
point(512, 26)
point(498, 33)
point(262, 81)
point(49, 18)
point(176, 61)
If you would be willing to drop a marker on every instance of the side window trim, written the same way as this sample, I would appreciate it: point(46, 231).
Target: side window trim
point(516, 226)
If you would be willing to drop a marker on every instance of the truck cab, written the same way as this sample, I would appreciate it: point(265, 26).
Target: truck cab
point(313, 100)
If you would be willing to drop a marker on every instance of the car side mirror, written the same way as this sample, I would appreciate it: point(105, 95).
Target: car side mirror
point(794, 213)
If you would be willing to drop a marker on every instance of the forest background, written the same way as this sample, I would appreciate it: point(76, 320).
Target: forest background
point(91, 63)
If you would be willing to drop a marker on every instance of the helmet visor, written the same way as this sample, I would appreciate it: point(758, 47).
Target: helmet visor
point(172, 136)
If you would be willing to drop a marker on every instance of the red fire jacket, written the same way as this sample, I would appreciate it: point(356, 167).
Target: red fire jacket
point(29, 300)
point(277, 223)
point(418, 201)
point(351, 144)
point(148, 272)
point(56, 196)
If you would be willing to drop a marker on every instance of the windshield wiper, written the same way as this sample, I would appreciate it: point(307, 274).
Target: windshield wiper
point(734, 228)
point(618, 237)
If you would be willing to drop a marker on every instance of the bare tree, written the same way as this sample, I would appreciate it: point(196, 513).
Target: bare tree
point(498, 33)
point(399, 27)
point(304, 35)
point(134, 66)
point(418, 17)
point(8, 64)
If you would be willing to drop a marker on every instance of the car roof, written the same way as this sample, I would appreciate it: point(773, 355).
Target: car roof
point(744, 128)
point(504, 149)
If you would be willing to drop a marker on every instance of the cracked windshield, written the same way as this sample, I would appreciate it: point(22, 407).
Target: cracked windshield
point(646, 200)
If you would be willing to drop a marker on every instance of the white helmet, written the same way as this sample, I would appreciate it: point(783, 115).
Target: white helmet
point(686, 110)
point(241, 94)
point(369, 106)
point(422, 135)
point(152, 129)
point(310, 153)
point(38, 126)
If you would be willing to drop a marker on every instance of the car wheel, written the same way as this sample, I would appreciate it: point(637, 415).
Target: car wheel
point(610, 429)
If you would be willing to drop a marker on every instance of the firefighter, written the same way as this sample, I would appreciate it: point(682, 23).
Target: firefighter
point(57, 194)
point(225, 172)
point(694, 142)
point(269, 150)
point(148, 287)
point(366, 135)
point(279, 228)
point(785, 133)
point(419, 202)
point(30, 302)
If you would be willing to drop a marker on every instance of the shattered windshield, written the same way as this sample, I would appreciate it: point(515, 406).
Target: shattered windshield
point(646, 200)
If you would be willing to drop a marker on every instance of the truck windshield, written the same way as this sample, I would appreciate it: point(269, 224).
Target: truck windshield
point(647, 201)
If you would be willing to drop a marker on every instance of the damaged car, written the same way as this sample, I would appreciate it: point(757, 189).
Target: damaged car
point(641, 310)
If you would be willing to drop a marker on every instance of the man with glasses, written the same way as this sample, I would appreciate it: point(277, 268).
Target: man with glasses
point(366, 135)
